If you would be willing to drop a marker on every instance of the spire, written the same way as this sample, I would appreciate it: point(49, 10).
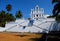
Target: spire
point(37, 8)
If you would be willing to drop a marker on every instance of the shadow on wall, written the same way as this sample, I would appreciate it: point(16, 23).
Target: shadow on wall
point(56, 27)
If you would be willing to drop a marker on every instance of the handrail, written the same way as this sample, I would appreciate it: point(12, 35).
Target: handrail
point(27, 26)
point(11, 27)
point(23, 22)
point(14, 26)
point(40, 27)
point(44, 22)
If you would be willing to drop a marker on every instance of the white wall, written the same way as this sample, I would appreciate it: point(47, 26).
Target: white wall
point(16, 26)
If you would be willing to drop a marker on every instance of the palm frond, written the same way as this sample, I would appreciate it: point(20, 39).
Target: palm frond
point(53, 1)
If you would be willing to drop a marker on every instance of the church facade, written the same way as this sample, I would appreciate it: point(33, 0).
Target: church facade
point(37, 13)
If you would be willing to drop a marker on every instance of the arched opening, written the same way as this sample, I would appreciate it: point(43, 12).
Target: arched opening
point(37, 15)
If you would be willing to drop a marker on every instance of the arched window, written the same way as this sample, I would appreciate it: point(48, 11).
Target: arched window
point(37, 15)
point(34, 15)
point(37, 8)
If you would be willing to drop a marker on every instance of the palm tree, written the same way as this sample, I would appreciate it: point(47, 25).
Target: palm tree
point(18, 14)
point(6, 16)
point(9, 17)
point(2, 18)
point(56, 9)
point(8, 7)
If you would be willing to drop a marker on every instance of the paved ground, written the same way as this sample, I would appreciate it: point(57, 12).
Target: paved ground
point(5, 36)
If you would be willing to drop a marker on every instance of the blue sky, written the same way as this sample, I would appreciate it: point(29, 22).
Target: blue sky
point(26, 5)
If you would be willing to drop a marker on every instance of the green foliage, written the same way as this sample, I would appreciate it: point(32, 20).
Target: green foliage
point(2, 24)
point(5, 17)
point(58, 18)
point(8, 7)
point(18, 14)
point(10, 17)
point(56, 9)
point(2, 18)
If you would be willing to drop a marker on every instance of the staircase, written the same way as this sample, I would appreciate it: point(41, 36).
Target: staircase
point(41, 27)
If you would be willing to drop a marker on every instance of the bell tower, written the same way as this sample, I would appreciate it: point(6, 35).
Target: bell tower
point(37, 13)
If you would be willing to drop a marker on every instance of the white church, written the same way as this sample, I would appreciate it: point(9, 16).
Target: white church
point(38, 23)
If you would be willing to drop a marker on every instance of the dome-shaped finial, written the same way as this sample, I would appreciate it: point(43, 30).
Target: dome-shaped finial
point(37, 8)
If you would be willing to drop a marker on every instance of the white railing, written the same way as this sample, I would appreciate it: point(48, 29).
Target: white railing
point(15, 26)
point(40, 28)
point(50, 27)
point(33, 25)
